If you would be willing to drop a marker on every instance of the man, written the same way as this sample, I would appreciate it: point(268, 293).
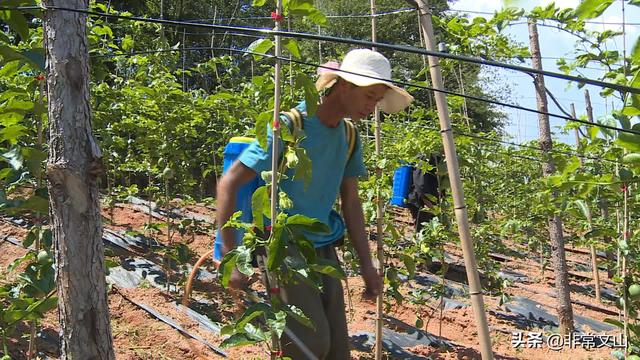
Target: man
point(351, 96)
point(424, 183)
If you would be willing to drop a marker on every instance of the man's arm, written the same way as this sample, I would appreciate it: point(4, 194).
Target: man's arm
point(227, 190)
point(352, 210)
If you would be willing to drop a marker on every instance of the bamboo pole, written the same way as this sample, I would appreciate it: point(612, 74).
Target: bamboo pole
point(379, 208)
point(275, 342)
point(38, 220)
point(625, 284)
point(563, 306)
point(602, 203)
point(592, 248)
point(475, 289)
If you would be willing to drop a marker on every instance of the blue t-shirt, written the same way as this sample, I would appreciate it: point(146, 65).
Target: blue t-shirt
point(327, 148)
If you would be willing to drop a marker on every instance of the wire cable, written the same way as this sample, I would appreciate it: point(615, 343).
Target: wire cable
point(495, 102)
point(365, 15)
point(364, 43)
point(524, 146)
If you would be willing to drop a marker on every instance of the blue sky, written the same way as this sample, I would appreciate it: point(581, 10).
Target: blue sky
point(523, 126)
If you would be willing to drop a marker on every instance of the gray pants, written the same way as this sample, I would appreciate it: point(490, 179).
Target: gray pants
point(330, 340)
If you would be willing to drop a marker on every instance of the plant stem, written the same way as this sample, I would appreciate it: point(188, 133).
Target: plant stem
point(625, 284)
point(167, 209)
point(32, 339)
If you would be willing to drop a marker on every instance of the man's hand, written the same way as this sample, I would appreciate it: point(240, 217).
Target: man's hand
point(372, 281)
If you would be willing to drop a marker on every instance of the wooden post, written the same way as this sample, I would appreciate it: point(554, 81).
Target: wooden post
point(563, 307)
point(592, 248)
point(475, 288)
point(602, 203)
point(74, 167)
point(379, 209)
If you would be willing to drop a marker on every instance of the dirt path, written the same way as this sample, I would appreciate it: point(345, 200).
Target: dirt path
point(139, 335)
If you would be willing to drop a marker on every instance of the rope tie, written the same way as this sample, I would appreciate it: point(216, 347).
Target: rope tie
point(276, 17)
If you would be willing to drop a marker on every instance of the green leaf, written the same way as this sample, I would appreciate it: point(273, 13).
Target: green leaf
point(13, 133)
point(251, 313)
point(630, 111)
point(625, 174)
point(243, 261)
point(614, 322)
point(292, 46)
point(14, 158)
point(629, 141)
point(17, 22)
point(19, 104)
point(262, 128)
point(260, 206)
point(34, 159)
point(127, 43)
point(297, 314)
point(15, 263)
point(306, 9)
point(328, 267)
point(635, 53)
point(256, 333)
point(584, 208)
point(311, 95)
point(29, 239)
point(308, 224)
point(633, 158)
point(44, 305)
point(8, 54)
point(237, 340)
point(260, 46)
point(304, 168)
point(35, 203)
point(277, 322)
point(34, 56)
point(227, 265)
point(102, 30)
point(277, 248)
point(258, 3)
point(410, 264)
point(305, 247)
point(589, 9)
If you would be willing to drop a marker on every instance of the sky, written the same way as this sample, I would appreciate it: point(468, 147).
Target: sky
point(523, 126)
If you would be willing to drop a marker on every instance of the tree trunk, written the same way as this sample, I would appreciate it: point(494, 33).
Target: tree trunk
point(563, 307)
point(73, 170)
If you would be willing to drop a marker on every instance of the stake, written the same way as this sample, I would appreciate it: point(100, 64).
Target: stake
point(625, 285)
point(475, 289)
point(168, 210)
point(602, 204)
point(592, 248)
point(379, 208)
point(275, 342)
point(184, 58)
point(563, 306)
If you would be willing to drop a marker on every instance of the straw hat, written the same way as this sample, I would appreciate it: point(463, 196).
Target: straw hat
point(364, 67)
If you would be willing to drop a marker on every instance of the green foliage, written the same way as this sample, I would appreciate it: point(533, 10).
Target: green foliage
point(589, 9)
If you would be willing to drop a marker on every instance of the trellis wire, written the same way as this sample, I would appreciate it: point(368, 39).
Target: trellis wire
point(364, 43)
point(404, 83)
